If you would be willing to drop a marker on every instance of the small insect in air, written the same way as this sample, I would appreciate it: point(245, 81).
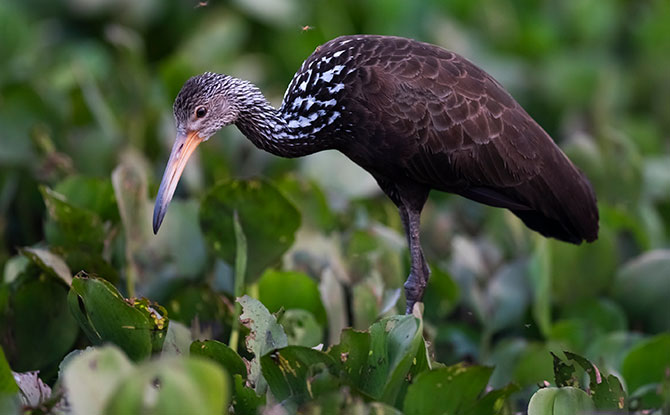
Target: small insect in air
point(202, 4)
point(306, 28)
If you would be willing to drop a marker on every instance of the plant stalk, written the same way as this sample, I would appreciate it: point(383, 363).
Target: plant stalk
point(240, 271)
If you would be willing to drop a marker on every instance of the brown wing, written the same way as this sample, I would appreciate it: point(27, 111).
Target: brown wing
point(465, 134)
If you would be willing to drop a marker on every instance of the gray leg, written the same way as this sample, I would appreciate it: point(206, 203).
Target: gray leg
point(419, 272)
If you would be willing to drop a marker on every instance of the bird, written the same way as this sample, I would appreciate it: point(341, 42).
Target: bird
point(415, 116)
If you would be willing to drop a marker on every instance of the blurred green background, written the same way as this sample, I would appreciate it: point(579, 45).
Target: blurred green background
point(86, 89)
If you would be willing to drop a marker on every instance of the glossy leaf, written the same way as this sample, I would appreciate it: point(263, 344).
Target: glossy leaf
point(442, 294)
point(644, 281)
point(298, 373)
point(564, 373)
point(309, 199)
point(560, 401)
point(71, 227)
point(541, 277)
point(302, 293)
point(301, 328)
point(90, 193)
point(178, 339)
point(92, 376)
point(265, 335)
point(258, 204)
point(534, 365)
point(187, 301)
point(39, 329)
point(351, 355)
point(571, 264)
point(172, 386)
point(457, 386)
point(378, 362)
point(49, 262)
point(646, 364)
point(221, 354)
point(245, 400)
point(606, 391)
point(137, 327)
point(495, 401)
point(9, 398)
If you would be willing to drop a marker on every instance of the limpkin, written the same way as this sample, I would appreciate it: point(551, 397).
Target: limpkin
point(416, 117)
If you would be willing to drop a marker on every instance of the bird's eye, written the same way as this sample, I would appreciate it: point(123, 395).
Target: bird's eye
point(200, 112)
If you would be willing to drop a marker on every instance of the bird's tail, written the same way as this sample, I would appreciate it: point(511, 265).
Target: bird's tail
point(562, 202)
point(559, 202)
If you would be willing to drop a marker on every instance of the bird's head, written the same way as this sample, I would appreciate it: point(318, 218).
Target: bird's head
point(205, 104)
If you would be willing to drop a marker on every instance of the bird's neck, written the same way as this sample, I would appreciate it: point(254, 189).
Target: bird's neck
point(270, 129)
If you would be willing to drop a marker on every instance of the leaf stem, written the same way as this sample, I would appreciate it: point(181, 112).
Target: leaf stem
point(240, 270)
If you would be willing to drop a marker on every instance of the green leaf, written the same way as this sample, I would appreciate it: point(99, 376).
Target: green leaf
point(9, 398)
point(560, 401)
point(571, 334)
point(92, 263)
point(241, 255)
point(643, 281)
point(71, 227)
point(221, 354)
point(269, 221)
point(351, 355)
point(92, 376)
point(606, 391)
point(298, 373)
point(90, 193)
point(366, 303)
point(442, 294)
point(507, 297)
point(378, 363)
point(308, 197)
point(345, 401)
point(599, 315)
point(394, 343)
point(39, 329)
point(187, 301)
point(172, 386)
point(458, 388)
point(541, 277)
point(265, 335)
point(570, 264)
point(7, 383)
point(245, 400)
point(611, 348)
point(494, 401)
point(179, 249)
point(137, 327)
point(647, 363)
point(50, 263)
point(534, 365)
point(301, 328)
point(178, 339)
point(304, 293)
point(564, 373)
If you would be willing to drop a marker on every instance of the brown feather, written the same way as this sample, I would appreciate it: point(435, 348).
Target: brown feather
point(435, 119)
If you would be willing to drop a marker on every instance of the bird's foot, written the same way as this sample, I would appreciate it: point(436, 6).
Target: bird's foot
point(414, 288)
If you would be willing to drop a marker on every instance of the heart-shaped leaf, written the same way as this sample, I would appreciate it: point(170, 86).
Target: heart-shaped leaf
point(269, 221)
point(138, 327)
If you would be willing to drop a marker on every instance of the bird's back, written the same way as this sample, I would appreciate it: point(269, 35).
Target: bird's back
point(411, 112)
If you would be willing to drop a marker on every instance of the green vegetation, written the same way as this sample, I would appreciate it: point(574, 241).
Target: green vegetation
point(118, 320)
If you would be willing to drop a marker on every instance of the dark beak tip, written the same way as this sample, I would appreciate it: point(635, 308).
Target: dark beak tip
point(158, 220)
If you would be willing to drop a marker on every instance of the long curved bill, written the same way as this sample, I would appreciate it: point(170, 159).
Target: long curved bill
point(181, 151)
